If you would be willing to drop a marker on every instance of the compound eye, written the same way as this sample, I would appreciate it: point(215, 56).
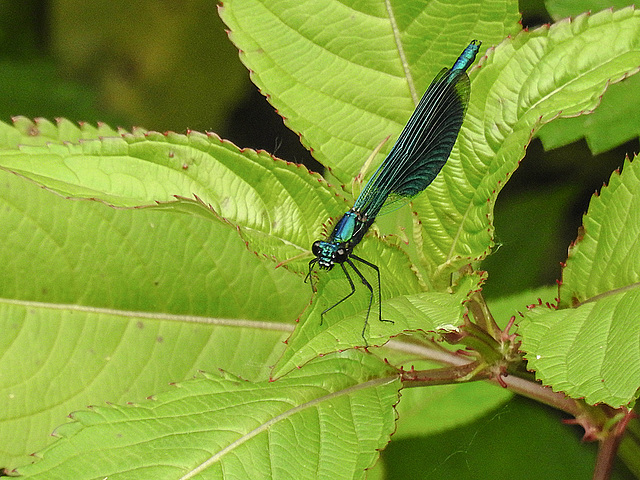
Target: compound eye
point(315, 248)
point(341, 255)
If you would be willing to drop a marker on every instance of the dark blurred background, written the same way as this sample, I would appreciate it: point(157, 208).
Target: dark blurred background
point(166, 65)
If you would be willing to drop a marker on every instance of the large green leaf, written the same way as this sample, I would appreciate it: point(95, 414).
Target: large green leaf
point(592, 351)
point(58, 251)
point(605, 257)
point(614, 122)
point(272, 204)
point(524, 82)
point(77, 273)
point(589, 352)
point(103, 305)
point(353, 75)
point(327, 420)
point(58, 358)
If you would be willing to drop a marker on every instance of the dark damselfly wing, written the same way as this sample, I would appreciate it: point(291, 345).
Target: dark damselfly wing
point(422, 148)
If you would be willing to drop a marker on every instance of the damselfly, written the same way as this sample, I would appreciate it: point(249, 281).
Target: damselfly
point(415, 160)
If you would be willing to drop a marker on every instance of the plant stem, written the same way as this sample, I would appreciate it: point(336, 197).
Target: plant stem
point(608, 448)
point(473, 371)
point(495, 356)
point(590, 418)
point(542, 394)
point(482, 315)
point(446, 375)
point(606, 456)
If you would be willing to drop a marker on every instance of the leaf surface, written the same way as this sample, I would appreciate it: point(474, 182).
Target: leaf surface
point(112, 305)
point(593, 349)
point(314, 424)
point(604, 257)
point(590, 352)
point(354, 75)
point(524, 82)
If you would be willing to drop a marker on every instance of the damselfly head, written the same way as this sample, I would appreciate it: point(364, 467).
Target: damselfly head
point(329, 253)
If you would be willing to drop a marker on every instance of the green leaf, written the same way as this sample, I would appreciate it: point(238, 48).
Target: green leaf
point(424, 311)
point(613, 123)
point(57, 251)
point(100, 304)
point(341, 407)
point(524, 82)
point(273, 204)
point(79, 355)
point(589, 352)
point(604, 257)
point(354, 75)
point(560, 9)
point(40, 131)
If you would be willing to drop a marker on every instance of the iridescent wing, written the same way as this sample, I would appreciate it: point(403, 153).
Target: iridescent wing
point(424, 144)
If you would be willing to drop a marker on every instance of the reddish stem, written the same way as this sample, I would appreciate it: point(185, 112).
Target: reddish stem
point(608, 449)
